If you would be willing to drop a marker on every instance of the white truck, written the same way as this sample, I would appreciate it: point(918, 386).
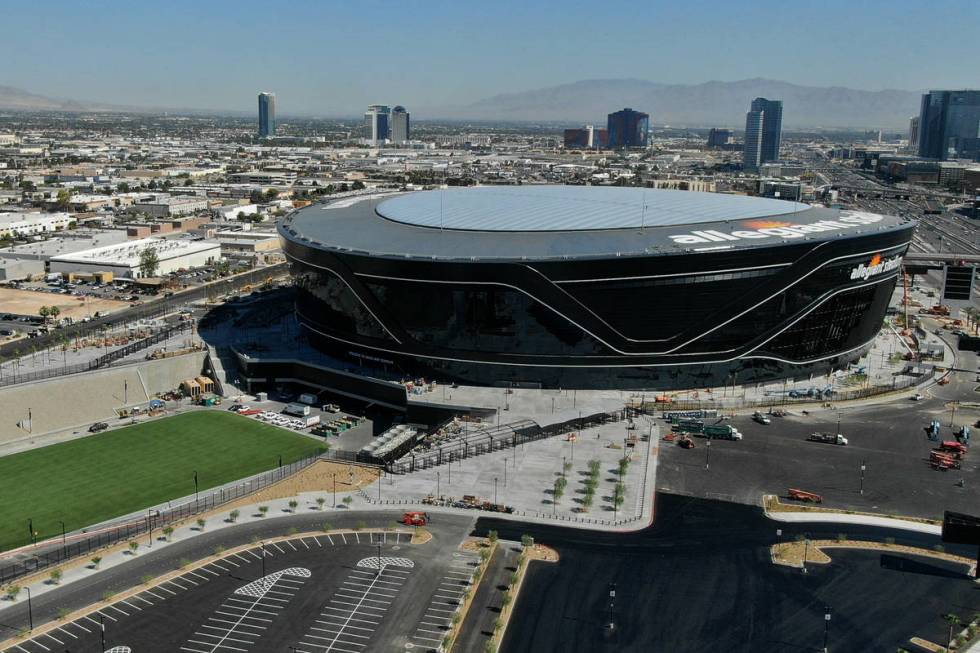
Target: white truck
point(307, 398)
point(296, 409)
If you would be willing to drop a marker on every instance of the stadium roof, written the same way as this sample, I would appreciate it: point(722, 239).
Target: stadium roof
point(573, 208)
point(563, 222)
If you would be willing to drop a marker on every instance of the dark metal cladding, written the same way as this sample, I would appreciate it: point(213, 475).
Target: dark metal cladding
point(672, 303)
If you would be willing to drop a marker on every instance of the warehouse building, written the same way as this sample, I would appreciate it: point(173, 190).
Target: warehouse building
point(123, 260)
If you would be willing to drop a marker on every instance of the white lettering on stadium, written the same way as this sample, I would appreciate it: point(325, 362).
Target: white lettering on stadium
point(864, 272)
point(848, 220)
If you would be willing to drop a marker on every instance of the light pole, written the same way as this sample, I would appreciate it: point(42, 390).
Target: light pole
point(102, 629)
point(262, 545)
point(30, 608)
point(197, 496)
point(280, 465)
point(30, 527)
point(335, 490)
point(494, 490)
point(707, 454)
point(379, 558)
point(826, 626)
point(64, 543)
point(438, 493)
point(806, 548)
point(838, 421)
point(863, 467)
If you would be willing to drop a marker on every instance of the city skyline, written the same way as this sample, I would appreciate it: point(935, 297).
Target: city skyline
point(53, 62)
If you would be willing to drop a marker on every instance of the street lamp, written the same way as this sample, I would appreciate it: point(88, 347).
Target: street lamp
point(30, 527)
point(335, 490)
point(64, 543)
point(438, 493)
point(806, 549)
point(494, 490)
point(196, 494)
point(379, 558)
point(826, 626)
point(30, 608)
point(707, 454)
point(863, 467)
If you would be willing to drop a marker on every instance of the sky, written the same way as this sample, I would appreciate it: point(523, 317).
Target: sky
point(332, 57)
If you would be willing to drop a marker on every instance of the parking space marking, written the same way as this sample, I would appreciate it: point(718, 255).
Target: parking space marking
point(444, 603)
point(245, 624)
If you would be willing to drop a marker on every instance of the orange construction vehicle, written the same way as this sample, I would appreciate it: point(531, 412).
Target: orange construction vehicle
point(802, 495)
point(415, 518)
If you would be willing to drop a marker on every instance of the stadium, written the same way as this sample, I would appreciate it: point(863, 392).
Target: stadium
point(592, 287)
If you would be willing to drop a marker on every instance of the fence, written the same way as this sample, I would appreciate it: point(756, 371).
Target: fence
point(507, 435)
point(13, 378)
point(84, 544)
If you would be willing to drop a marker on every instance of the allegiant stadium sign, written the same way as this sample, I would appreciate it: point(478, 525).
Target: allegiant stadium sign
point(875, 266)
point(777, 229)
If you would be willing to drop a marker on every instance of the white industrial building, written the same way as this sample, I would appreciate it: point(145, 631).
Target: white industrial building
point(28, 224)
point(165, 207)
point(123, 260)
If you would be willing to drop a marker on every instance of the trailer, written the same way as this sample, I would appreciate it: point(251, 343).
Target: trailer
point(307, 398)
point(828, 438)
point(803, 495)
point(722, 432)
point(296, 409)
point(953, 447)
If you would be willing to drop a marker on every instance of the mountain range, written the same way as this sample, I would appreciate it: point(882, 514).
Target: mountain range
point(708, 104)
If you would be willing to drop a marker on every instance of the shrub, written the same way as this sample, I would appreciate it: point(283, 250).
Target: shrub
point(55, 576)
point(292, 531)
point(842, 537)
point(183, 562)
point(146, 578)
point(11, 592)
point(319, 502)
point(167, 532)
point(506, 599)
point(133, 545)
point(63, 613)
point(292, 505)
point(218, 550)
point(514, 577)
point(233, 516)
point(347, 500)
point(492, 536)
point(326, 526)
point(527, 541)
point(107, 595)
point(359, 526)
point(201, 522)
point(96, 561)
point(263, 510)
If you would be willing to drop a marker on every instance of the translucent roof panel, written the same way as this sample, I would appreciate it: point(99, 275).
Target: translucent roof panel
point(573, 208)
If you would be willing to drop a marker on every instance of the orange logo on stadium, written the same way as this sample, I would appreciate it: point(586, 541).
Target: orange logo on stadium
point(766, 224)
point(875, 260)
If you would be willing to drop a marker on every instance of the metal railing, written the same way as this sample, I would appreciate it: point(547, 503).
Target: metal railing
point(84, 544)
point(13, 377)
point(507, 435)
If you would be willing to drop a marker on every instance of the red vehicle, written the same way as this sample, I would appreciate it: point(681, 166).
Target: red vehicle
point(945, 459)
point(802, 495)
point(952, 446)
point(415, 518)
point(250, 411)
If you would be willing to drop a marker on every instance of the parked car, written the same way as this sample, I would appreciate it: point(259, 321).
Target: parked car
point(98, 426)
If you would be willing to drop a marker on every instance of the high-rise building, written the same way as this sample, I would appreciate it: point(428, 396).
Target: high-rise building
point(763, 128)
point(628, 128)
point(914, 134)
point(400, 127)
point(719, 137)
point(598, 137)
point(949, 125)
point(575, 138)
point(267, 115)
point(376, 119)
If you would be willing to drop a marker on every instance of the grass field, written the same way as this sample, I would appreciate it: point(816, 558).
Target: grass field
point(92, 479)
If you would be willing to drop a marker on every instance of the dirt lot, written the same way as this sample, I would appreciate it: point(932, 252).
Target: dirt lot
point(28, 302)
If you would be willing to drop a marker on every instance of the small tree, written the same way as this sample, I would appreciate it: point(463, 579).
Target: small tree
point(146, 579)
point(218, 550)
point(506, 599)
point(233, 516)
point(133, 545)
point(149, 262)
point(347, 500)
point(263, 510)
point(319, 502)
point(96, 561)
point(201, 522)
point(292, 505)
point(55, 576)
point(44, 312)
point(527, 541)
point(492, 537)
point(167, 532)
point(326, 527)
point(11, 592)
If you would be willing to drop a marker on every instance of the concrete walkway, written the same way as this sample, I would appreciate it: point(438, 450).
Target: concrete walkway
point(863, 520)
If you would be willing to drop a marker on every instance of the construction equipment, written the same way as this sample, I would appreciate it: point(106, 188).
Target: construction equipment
point(803, 495)
point(953, 447)
point(415, 518)
point(722, 432)
point(684, 442)
point(947, 460)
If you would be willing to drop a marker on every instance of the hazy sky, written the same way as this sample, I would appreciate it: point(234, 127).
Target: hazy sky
point(333, 58)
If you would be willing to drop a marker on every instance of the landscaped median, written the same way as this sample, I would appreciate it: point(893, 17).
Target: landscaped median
point(772, 504)
point(803, 551)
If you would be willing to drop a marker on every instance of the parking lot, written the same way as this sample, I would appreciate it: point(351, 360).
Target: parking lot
point(349, 431)
point(347, 592)
point(888, 440)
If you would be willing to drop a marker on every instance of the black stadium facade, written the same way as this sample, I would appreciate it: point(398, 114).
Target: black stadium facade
point(592, 287)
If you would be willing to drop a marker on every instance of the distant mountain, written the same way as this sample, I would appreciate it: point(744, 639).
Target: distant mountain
point(707, 104)
point(21, 100)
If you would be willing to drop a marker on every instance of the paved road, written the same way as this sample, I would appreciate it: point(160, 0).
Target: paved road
point(700, 580)
point(167, 619)
point(888, 439)
point(487, 602)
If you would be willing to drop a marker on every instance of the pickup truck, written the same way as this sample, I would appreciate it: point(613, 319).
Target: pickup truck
point(761, 418)
point(828, 438)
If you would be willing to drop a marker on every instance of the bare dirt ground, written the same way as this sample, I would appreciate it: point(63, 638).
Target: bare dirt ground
point(29, 302)
point(318, 477)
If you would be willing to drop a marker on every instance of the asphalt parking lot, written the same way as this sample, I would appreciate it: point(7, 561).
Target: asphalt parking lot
point(310, 594)
point(889, 440)
point(314, 593)
point(701, 580)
